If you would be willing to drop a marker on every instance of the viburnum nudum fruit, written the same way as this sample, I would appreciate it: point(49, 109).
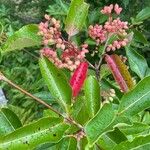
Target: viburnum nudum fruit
point(78, 78)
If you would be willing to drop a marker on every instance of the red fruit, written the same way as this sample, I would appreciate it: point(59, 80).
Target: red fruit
point(78, 78)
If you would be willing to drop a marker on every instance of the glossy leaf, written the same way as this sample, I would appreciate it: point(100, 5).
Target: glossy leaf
point(117, 122)
point(136, 100)
point(79, 111)
point(120, 72)
point(25, 37)
point(9, 122)
point(143, 14)
point(28, 137)
point(105, 71)
point(92, 95)
point(45, 96)
point(50, 113)
point(146, 117)
point(46, 146)
point(83, 144)
point(101, 121)
point(76, 17)
point(90, 42)
point(107, 85)
point(139, 143)
point(106, 143)
point(56, 82)
point(115, 134)
point(67, 144)
point(134, 129)
point(140, 37)
point(137, 62)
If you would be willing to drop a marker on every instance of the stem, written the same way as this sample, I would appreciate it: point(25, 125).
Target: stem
point(103, 52)
point(98, 67)
point(78, 145)
point(92, 66)
point(31, 54)
point(28, 94)
point(70, 120)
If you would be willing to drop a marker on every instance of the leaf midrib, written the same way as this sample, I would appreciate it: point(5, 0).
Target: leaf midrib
point(53, 82)
point(8, 120)
point(17, 139)
point(140, 146)
point(133, 103)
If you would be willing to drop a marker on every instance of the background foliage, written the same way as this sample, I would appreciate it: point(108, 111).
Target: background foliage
point(22, 66)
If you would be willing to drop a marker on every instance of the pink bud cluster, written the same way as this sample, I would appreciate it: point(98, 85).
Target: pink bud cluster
point(117, 45)
point(71, 55)
point(70, 58)
point(100, 33)
point(108, 9)
point(97, 33)
point(50, 30)
point(116, 26)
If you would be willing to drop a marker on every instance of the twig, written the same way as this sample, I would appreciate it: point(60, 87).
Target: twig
point(69, 119)
point(2, 77)
point(103, 52)
point(30, 54)
point(98, 66)
point(92, 66)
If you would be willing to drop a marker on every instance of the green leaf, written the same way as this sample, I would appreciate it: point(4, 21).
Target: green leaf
point(115, 134)
point(137, 62)
point(134, 129)
point(106, 85)
point(139, 143)
point(140, 37)
point(97, 125)
point(79, 112)
point(58, 9)
point(118, 121)
point(83, 145)
point(143, 14)
point(106, 143)
point(90, 41)
point(136, 100)
point(105, 71)
point(32, 135)
point(56, 82)
point(25, 37)
point(9, 122)
point(76, 17)
point(146, 118)
point(50, 113)
point(67, 144)
point(46, 146)
point(45, 96)
point(92, 95)
point(147, 72)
